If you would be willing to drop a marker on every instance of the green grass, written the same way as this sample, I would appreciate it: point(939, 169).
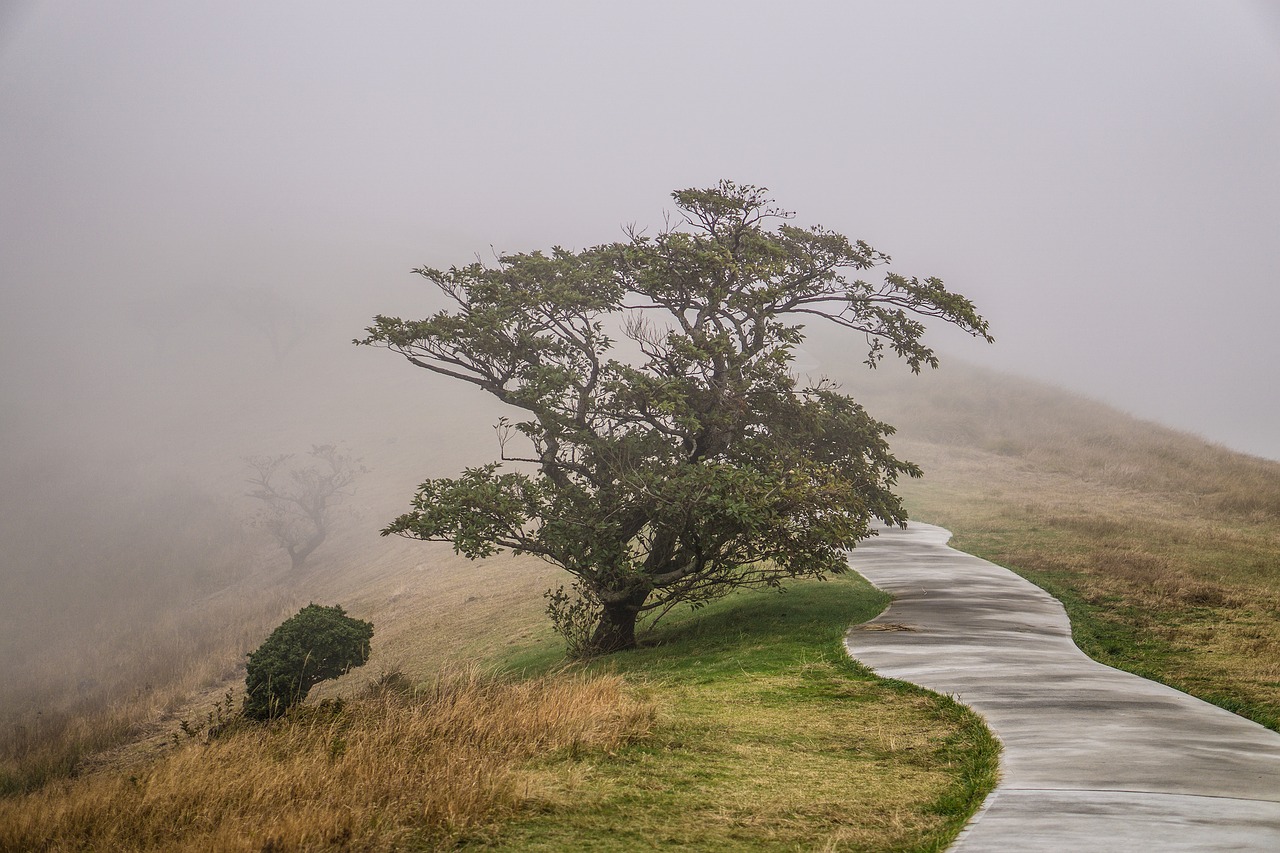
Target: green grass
point(770, 738)
point(767, 736)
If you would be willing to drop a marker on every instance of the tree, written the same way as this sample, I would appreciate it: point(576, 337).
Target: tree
point(283, 323)
point(314, 645)
point(696, 464)
point(300, 500)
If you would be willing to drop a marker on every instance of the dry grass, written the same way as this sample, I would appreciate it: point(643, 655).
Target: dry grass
point(772, 739)
point(113, 687)
point(390, 768)
point(1165, 549)
point(141, 680)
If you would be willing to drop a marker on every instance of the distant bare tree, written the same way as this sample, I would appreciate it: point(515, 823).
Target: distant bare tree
point(283, 323)
point(299, 500)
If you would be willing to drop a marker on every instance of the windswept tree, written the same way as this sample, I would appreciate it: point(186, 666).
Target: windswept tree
point(299, 500)
point(689, 462)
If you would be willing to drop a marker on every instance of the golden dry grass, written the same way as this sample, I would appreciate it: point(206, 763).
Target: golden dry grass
point(1164, 548)
point(119, 696)
point(143, 680)
point(390, 768)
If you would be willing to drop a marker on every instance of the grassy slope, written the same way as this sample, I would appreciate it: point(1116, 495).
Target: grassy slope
point(1164, 549)
point(771, 739)
point(767, 737)
point(386, 769)
point(762, 736)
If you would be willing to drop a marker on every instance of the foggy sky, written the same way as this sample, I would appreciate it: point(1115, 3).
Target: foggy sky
point(1102, 179)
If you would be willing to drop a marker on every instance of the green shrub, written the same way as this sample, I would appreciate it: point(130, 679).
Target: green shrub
point(316, 644)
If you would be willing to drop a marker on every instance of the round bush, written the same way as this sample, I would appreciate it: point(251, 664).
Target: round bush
point(316, 644)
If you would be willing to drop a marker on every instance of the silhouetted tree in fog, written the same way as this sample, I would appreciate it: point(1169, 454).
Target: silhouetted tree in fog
point(300, 499)
point(283, 323)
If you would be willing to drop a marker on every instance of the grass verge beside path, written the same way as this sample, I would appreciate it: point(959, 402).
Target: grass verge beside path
point(769, 738)
point(1164, 549)
point(743, 726)
point(1189, 601)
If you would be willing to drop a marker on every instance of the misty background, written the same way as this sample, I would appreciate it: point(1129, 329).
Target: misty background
point(1102, 179)
point(201, 204)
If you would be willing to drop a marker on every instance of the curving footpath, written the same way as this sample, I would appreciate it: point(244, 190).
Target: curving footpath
point(1094, 758)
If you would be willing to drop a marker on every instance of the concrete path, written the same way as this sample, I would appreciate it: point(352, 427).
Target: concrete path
point(1094, 759)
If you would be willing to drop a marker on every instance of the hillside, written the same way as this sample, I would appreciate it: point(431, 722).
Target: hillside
point(1164, 549)
point(745, 719)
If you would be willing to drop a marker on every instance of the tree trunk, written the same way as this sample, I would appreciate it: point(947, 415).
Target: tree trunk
point(299, 553)
point(617, 628)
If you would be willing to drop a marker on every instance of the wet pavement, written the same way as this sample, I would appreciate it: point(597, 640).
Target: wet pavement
point(1094, 758)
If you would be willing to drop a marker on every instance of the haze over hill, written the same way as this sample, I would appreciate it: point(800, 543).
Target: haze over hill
point(200, 207)
point(139, 578)
point(1103, 180)
point(101, 539)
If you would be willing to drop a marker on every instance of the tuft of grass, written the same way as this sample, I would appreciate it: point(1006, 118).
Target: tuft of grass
point(393, 768)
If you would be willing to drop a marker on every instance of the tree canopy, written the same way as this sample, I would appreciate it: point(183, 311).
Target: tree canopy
point(667, 453)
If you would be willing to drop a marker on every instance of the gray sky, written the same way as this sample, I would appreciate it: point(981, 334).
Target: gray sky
point(1101, 178)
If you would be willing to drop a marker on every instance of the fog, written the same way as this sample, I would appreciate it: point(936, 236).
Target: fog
point(201, 204)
